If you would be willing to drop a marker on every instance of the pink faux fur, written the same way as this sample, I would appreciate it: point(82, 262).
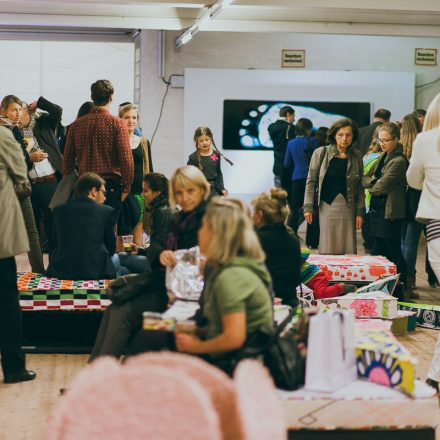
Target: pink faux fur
point(219, 386)
point(260, 410)
point(107, 401)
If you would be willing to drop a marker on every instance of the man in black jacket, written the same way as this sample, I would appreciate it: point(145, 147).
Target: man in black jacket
point(39, 133)
point(84, 234)
point(281, 132)
point(366, 133)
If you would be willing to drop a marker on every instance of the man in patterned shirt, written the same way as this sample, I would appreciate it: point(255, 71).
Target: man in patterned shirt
point(99, 142)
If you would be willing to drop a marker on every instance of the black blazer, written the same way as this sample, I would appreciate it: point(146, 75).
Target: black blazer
point(85, 241)
point(283, 260)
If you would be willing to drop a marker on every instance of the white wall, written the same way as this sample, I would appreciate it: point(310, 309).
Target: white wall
point(63, 71)
point(206, 89)
point(263, 51)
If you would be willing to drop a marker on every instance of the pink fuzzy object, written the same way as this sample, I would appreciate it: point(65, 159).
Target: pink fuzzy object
point(215, 382)
point(259, 407)
point(107, 401)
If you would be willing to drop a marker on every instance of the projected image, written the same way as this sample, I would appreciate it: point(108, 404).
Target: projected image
point(245, 122)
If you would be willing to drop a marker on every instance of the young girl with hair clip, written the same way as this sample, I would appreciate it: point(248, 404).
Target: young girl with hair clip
point(207, 158)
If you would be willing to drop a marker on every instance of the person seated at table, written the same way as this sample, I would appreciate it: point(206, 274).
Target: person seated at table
point(155, 192)
point(316, 279)
point(84, 235)
point(280, 243)
point(236, 299)
point(189, 189)
point(285, 261)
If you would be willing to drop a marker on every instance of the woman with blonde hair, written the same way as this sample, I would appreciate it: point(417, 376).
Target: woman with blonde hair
point(143, 164)
point(189, 191)
point(424, 174)
point(236, 299)
point(280, 244)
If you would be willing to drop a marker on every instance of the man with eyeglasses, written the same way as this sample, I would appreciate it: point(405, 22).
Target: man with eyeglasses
point(84, 235)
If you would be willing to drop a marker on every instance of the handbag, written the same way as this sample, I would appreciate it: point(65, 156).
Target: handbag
point(64, 191)
point(130, 215)
point(128, 286)
point(23, 189)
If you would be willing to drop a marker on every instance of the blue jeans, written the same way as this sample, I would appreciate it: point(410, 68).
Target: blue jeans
point(133, 263)
point(411, 232)
point(120, 270)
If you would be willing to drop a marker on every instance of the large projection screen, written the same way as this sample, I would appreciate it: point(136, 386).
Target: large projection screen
point(207, 89)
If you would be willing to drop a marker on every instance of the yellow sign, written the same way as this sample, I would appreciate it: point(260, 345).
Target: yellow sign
point(293, 58)
point(426, 57)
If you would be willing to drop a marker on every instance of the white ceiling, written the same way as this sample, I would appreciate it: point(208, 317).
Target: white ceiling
point(368, 17)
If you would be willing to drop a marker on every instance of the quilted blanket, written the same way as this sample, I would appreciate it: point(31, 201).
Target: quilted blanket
point(38, 292)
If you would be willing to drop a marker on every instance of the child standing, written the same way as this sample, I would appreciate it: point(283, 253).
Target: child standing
point(207, 159)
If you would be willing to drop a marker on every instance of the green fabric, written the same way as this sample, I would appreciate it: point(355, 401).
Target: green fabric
point(385, 308)
point(369, 160)
point(141, 202)
point(241, 286)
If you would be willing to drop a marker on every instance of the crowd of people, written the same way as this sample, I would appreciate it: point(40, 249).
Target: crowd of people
point(344, 177)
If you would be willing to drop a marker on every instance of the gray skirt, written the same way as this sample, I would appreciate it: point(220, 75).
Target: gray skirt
point(338, 228)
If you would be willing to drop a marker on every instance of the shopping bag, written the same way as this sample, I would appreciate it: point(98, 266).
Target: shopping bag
point(331, 355)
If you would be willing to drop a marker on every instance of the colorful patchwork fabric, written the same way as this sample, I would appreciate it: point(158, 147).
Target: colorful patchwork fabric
point(29, 281)
point(343, 268)
point(308, 271)
point(41, 293)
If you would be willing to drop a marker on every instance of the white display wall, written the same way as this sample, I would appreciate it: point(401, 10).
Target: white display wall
point(206, 89)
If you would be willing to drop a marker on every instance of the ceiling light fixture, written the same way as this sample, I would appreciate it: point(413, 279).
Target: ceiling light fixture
point(208, 15)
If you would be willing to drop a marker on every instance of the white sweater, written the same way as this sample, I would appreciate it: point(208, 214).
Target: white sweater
point(424, 173)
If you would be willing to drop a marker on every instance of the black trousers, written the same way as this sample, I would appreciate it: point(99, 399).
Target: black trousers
point(113, 197)
point(392, 250)
point(121, 322)
point(41, 196)
point(12, 356)
point(297, 191)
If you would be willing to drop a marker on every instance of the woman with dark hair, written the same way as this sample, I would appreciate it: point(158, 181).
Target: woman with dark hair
point(335, 173)
point(155, 192)
point(386, 181)
point(298, 154)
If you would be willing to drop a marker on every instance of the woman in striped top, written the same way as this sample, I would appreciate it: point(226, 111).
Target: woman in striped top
point(424, 174)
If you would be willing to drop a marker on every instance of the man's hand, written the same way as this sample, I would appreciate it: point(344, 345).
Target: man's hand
point(359, 221)
point(123, 195)
point(308, 217)
point(37, 156)
point(187, 343)
point(32, 106)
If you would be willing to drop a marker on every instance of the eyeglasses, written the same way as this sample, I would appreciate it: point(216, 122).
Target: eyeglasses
point(103, 191)
point(384, 141)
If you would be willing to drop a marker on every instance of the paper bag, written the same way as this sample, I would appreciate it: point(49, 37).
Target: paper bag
point(331, 358)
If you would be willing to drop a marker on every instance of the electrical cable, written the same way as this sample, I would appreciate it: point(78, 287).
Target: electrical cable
point(161, 109)
point(428, 83)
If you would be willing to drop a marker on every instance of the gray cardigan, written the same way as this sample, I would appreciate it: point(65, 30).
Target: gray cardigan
point(318, 168)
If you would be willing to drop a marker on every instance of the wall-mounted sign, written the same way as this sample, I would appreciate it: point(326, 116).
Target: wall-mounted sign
point(293, 58)
point(426, 57)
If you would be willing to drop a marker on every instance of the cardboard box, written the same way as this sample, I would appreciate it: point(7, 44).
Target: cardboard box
point(365, 305)
point(361, 268)
point(427, 315)
point(360, 405)
point(380, 358)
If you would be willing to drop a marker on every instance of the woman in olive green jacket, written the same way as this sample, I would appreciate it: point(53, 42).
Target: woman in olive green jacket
point(386, 182)
point(335, 176)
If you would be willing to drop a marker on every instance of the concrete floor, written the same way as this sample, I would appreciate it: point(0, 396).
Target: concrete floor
point(25, 407)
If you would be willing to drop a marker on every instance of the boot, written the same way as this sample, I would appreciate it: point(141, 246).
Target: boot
point(410, 283)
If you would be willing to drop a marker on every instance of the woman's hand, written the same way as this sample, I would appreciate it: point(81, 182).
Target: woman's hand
point(123, 195)
point(308, 217)
point(224, 192)
point(37, 156)
point(359, 221)
point(187, 343)
point(167, 258)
